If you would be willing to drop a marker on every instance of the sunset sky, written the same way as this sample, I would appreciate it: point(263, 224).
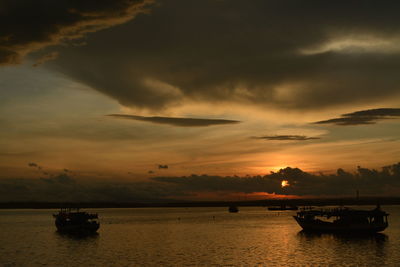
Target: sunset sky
point(167, 99)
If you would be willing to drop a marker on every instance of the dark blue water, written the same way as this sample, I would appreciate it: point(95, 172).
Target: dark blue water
point(190, 237)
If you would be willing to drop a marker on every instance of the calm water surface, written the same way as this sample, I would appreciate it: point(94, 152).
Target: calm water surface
point(190, 237)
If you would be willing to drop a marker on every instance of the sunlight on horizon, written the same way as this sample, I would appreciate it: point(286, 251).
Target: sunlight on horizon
point(285, 183)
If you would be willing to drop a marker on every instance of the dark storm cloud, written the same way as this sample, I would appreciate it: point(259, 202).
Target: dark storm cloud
point(370, 116)
point(28, 26)
point(369, 181)
point(286, 137)
point(184, 122)
point(245, 51)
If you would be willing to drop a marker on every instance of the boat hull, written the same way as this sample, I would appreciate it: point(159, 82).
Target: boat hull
point(321, 226)
point(78, 229)
point(86, 228)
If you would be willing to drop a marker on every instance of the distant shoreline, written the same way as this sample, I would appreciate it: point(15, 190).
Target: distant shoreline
point(176, 204)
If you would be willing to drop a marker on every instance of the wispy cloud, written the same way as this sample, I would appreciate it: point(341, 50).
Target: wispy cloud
point(34, 165)
point(370, 116)
point(59, 23)
point(183, 122)
point(286, 137)
point(45, 58)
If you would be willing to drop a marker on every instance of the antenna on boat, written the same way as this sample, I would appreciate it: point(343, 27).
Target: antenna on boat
point(378, 205)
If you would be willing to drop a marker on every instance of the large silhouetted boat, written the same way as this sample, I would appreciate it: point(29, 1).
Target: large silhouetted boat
point(343, 220)
point(73, 221)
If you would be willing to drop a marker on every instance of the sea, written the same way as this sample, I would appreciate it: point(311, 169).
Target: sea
point(191, 237)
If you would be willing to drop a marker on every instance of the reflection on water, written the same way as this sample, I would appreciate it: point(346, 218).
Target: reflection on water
point(190, 237)
point(88, 236)
point(345, 237)
point(361, 249)
point(75, 250)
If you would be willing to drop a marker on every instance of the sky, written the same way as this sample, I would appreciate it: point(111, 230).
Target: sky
point(151, 100)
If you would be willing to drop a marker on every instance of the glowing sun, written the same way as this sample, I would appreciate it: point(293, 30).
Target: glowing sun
point(285, 183)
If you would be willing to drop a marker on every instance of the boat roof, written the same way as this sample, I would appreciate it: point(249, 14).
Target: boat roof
point(339, 212)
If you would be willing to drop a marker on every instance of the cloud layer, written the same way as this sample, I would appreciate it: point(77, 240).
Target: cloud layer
point(367, 181)
point(286, 137)
point(183, 122)
point(370, 116)
point(63, 187)
point(29, 26)
point(285, 54)
point(245, 52)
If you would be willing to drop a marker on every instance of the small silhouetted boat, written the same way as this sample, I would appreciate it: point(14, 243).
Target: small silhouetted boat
point(343, 220)
point(73, 221)
point(233, 209)
point(283, 207)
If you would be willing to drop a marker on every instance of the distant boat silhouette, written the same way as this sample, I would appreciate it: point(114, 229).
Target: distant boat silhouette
point(283, 207)
point(233, 209)
point(72, 221)
point(345, 220)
